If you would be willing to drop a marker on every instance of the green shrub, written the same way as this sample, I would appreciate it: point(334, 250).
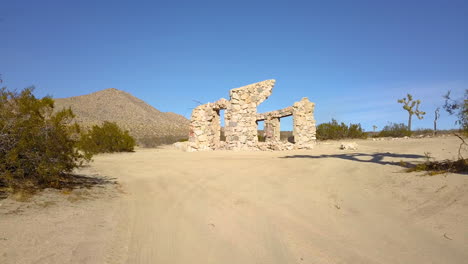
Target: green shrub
point(334, 130)
point(37, 147)
point(395, 130)
point(106, 138)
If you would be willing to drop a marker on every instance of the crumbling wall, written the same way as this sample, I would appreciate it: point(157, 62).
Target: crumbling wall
point(304, 124)
point(241, 122)
point(205, 126)
point(241, 114)
point(272, 123)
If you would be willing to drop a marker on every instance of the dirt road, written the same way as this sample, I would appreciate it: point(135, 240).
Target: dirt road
point(320, 206)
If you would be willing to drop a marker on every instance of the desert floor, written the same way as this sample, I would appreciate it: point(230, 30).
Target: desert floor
point(319, 206)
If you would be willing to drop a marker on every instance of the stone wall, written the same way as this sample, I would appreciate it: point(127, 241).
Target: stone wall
point(272, 129)
point(304, 124)
point(241, 114)
point(288, 111)
point(205, 126)
point(241, 122)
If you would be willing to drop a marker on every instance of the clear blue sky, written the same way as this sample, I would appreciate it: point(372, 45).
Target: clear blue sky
point(354, 59)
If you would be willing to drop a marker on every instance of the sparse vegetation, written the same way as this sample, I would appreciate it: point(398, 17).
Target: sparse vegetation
point(395, 130)
point(107, 138)
point(433, 167)
point(152, 141)
point(335, 130)
point(423, 132)
point(37, 146)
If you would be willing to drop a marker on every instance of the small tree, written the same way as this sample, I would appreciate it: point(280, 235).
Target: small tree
point(374, 127)
point(408, 105)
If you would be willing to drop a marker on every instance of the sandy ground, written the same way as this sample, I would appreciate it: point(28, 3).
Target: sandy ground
point(320, 206)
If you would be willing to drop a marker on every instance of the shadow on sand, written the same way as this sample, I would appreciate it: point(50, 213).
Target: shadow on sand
point(369, 158)
point(65, 181)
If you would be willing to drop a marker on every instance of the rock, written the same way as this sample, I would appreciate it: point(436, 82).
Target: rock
point(349, 145)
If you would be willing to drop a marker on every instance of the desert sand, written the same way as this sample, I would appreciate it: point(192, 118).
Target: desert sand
point(317, 206)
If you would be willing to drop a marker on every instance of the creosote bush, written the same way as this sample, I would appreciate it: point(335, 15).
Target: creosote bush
point(395, 130)
point(37, 146)
point(335, 130)
point(106, 138)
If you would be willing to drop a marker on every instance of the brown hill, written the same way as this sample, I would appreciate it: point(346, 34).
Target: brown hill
point(129, 112)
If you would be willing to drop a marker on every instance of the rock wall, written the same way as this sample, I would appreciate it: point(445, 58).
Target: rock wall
point(304, 129)
point(272, 129)
point(272, 123)
point(241, 122)
point(241, 114)
point(205, 126)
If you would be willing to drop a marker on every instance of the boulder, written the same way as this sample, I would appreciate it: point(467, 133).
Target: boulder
point(348, 145)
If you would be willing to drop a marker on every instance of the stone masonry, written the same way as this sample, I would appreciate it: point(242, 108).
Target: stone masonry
point(241, 122)
point(241, 115)
point(205, 126)
point(272, 123)
point(304, 124)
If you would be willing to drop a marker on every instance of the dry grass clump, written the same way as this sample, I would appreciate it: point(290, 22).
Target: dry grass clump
point(440, 167)
point(433, 167)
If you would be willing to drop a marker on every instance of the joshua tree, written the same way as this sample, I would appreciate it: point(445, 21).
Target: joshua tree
point(436, 117)
point(374, 127)
point(408, 105)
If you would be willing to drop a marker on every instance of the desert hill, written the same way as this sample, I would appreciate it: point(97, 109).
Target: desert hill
point(129, 112)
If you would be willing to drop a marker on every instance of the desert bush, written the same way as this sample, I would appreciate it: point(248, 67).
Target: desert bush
point(335, 130)
point(423, 131)
point(395, 130)
point(37, 147)
point(153, 141)
point(107, 138)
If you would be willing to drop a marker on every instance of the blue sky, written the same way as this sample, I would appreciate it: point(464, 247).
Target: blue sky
point(354, 59)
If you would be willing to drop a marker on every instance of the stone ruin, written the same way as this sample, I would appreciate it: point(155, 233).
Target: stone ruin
point(241, 122)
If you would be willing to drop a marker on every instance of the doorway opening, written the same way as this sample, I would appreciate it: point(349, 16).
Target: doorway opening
point(286, 134)
point(260, 132)
point(222, 135)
